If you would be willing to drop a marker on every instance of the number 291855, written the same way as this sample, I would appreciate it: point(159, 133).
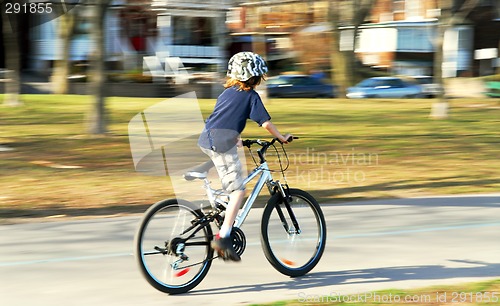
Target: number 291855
point(28, 8)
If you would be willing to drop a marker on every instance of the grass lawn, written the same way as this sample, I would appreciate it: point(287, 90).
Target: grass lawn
point(349, 149)
point(481, 293)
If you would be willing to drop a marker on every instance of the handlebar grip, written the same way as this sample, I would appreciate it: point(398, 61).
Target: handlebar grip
point(247, 143)
point(290, 139)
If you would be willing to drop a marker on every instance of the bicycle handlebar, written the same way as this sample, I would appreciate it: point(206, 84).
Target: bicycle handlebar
point(264, 143)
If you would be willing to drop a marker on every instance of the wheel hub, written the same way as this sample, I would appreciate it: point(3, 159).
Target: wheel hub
point(173, 246)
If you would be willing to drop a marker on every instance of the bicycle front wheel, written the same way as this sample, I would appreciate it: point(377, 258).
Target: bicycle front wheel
point(172, 248)
point(293, 247)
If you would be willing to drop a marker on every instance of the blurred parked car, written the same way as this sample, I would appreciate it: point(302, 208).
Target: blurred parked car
point(429, 88)
point(384, 87)
point(298, 86)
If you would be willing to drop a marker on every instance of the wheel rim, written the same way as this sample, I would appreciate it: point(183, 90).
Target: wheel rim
point(295, 250)
point(167, 225)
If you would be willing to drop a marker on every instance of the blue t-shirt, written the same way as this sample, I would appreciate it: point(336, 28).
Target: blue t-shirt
point(228, 120)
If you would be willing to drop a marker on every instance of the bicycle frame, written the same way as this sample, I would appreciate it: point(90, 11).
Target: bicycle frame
point(264, 179)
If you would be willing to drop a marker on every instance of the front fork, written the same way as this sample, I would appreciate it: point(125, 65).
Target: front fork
point(284, 191)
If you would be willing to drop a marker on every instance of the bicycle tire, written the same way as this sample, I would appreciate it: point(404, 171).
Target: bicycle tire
point(293, 254)
point(163, 222)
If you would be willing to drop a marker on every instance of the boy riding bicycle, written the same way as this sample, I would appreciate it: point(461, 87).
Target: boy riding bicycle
point(221, 136)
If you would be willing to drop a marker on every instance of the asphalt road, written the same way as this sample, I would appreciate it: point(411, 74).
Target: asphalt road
point(371, 245)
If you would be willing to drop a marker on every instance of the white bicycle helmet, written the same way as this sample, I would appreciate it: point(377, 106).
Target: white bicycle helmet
point(244, 65)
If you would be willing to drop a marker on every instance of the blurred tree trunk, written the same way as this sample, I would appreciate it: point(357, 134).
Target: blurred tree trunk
point(97, 118)
point(362, 9)
point(338, 62)
point(59, 78)
point(343, 62)
point(12, 58)
point(451, 14)
point(440, 106)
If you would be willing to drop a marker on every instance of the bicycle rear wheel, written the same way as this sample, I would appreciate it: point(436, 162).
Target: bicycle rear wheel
point(292, 251)
point(170, 257)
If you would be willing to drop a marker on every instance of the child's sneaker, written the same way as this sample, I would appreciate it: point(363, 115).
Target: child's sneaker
point(224, 248)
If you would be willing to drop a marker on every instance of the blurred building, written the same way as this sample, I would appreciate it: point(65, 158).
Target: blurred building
point(193, 30)
point(124, 33)
point(293, 35)
point(269, 28)
point(398, 36)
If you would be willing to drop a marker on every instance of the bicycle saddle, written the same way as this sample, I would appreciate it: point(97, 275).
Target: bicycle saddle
point(199, 172)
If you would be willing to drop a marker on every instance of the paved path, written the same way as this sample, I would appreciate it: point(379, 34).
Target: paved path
point(372, 245)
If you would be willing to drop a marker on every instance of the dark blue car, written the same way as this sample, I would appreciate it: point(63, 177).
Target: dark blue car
point(298, 86)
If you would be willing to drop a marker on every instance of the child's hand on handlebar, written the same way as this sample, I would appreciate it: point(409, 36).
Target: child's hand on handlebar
point(286, 138)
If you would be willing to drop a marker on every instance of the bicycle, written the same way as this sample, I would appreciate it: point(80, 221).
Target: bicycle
point(172, 243)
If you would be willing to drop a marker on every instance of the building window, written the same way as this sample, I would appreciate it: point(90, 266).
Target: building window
point(193, 30)
point(413, 9)
point(83, 22)
point(137, 24)
point(233, 16)
point(415, 40)
point(398, 6)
